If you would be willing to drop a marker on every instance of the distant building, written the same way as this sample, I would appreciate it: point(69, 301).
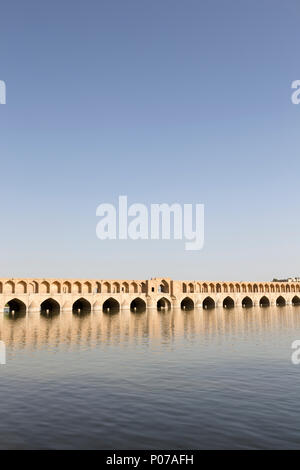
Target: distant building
point(289, 279)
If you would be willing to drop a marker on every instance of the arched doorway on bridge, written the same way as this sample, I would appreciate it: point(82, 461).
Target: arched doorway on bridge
point(163, 304)
point(247, 302)
point(16, 308)
point(138, 305)
point(296, 300)
point(280, 301)
point(163, 287)
point(50, 307)
point(264, 302)
point(187, 304)
point(81, 307)
point(111, 306)
point(228, 302)
point(208, 303)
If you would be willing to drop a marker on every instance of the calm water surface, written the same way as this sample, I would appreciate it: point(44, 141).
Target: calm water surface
point(215, 379)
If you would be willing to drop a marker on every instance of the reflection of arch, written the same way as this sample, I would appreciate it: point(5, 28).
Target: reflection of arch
point(228, 302)
point(81, 306)
point(111, 305)
point(280, 301)
point(208, 302)
point(187, 304)
point(296, 300)
point(16, 306)
point(163, 304)
point(138, 305)
point(264, 302)
point(50, 306)
point(247, 302)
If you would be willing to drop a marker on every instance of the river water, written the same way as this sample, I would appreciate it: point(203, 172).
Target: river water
point(218, 379)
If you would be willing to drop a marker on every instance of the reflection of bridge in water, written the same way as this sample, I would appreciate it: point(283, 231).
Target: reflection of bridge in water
point(150, 327)
point(53, 296)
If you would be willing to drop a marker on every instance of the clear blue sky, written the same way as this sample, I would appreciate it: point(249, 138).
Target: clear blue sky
point(162, 100)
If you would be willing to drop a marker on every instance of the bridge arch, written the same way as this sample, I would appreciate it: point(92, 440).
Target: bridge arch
point(208, 303)
point(247, 302)
point(280, 301)
point(228, 302)
point(81, 306)
point(50, 306)
point(296, 300)
point(264, 302)
point(16, 306)
point(163, 304)
point(187, 304)
point(111, 306)
point(138, 305)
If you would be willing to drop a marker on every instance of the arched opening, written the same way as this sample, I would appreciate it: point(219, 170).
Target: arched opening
point(138, 305)
point(163, 287)
point(15, 308)
point(296, 300)
point(280, 302)
point(163, 304)
point(264, 302)
point(187, 304)
point(208, 303)
point(50, 307)
point(81, 307)
point(111, 306)
point(247, 302)
point(228, 302)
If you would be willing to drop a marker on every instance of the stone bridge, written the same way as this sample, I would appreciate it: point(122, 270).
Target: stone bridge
point(51, 296)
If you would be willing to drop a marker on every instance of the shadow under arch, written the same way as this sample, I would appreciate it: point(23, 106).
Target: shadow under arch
point(296, 300)
point(50, 307)
point(208, 303)
point(111, 306)
point(16, 308)
point(81, 307)
point(228, 302)
point(280, 301)
point(138, 305)
point(187, 304)
point(163, 304)
point(264, 302)
point(247, 302)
